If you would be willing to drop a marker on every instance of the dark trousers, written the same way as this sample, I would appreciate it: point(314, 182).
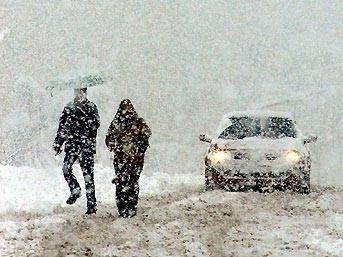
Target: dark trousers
point(86, 160)
point(127, 188)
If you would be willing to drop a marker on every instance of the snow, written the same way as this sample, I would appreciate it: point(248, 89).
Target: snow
point(175, 218)
point(258, 114)
point(255, 143)
point(41, 190)
point(3, 33)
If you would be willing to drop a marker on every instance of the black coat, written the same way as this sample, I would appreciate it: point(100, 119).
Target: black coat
point(128, 135)
point(78, 127)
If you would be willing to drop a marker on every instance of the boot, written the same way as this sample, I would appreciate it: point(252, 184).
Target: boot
point(91, 210)
point(122, 213)
point(72, 198)
point(131, 213)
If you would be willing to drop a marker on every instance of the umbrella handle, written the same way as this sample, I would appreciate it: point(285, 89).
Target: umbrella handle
point(51, 92)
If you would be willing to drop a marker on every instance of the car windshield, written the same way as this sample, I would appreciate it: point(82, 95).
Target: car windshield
point(243, 127)
point(277, 127)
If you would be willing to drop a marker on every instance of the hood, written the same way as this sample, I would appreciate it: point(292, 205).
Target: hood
point(126, 113)
point(257, 143)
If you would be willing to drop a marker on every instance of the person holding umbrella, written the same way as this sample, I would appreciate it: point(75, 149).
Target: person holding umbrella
point(77, 130)
point(127, 138)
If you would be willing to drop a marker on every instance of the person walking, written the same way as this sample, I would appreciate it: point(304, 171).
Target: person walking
point(128, 139)
point(77, 130)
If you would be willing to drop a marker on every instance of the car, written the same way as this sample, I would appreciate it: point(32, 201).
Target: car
point(260, 151)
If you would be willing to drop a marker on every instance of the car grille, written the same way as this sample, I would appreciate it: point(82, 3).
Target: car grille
point(266, 174)
point(241, 155)
point(245, 155)
point(271, 156)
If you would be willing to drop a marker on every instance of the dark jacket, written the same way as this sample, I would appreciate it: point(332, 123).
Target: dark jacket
point(128, 135)
point(78, 127)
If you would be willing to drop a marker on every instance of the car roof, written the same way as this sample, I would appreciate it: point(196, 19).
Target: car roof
point(260, 114)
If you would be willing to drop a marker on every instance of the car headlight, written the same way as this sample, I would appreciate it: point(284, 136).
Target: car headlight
point(219, 156)
point(292, 156)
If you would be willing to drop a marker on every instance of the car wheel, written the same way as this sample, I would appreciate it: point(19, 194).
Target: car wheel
point(305, 184)
point(305, 187)
point(210, 182)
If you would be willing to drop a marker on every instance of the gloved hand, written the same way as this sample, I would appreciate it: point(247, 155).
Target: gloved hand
point(57, 148)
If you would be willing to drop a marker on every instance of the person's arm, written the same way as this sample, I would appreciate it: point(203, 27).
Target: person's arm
point(111, 136)
point(143, 135)
point(97, 118)
point(145, 131)
point(93, 119)
point(62, 132)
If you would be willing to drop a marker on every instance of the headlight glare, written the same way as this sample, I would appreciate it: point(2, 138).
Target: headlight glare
point(219, 156)
point(292, 156)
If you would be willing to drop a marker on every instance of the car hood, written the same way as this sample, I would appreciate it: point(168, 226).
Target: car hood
point(255, 143)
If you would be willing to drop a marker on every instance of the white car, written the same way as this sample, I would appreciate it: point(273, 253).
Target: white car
point(261, 151)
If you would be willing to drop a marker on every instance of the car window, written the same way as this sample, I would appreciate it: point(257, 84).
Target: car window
point(277, 127)
point(241, 127)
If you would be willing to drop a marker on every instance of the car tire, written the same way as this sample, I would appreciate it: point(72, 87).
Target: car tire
point(210, 183)
point(305, 187)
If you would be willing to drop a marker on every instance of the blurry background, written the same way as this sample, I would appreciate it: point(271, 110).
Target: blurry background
point(183, 64)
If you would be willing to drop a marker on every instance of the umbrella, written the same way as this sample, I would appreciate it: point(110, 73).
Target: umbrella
point(76, 82)
point(86, 73)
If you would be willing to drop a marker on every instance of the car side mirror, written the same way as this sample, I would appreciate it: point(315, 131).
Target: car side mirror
point(205, 138)
point(310, 139)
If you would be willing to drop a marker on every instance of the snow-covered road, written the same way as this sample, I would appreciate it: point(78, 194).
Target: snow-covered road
point(176, 218)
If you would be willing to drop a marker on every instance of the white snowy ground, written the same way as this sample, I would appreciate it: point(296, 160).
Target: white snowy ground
point(176, 218)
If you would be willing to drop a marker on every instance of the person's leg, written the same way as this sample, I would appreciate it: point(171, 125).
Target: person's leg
point(121, 199)
point(119, 189)
point(132, 196)
point(134, 188)
point(122, 189)
point(136, 191)
point(118, 186)
point(87, 167)
point(74, 186)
